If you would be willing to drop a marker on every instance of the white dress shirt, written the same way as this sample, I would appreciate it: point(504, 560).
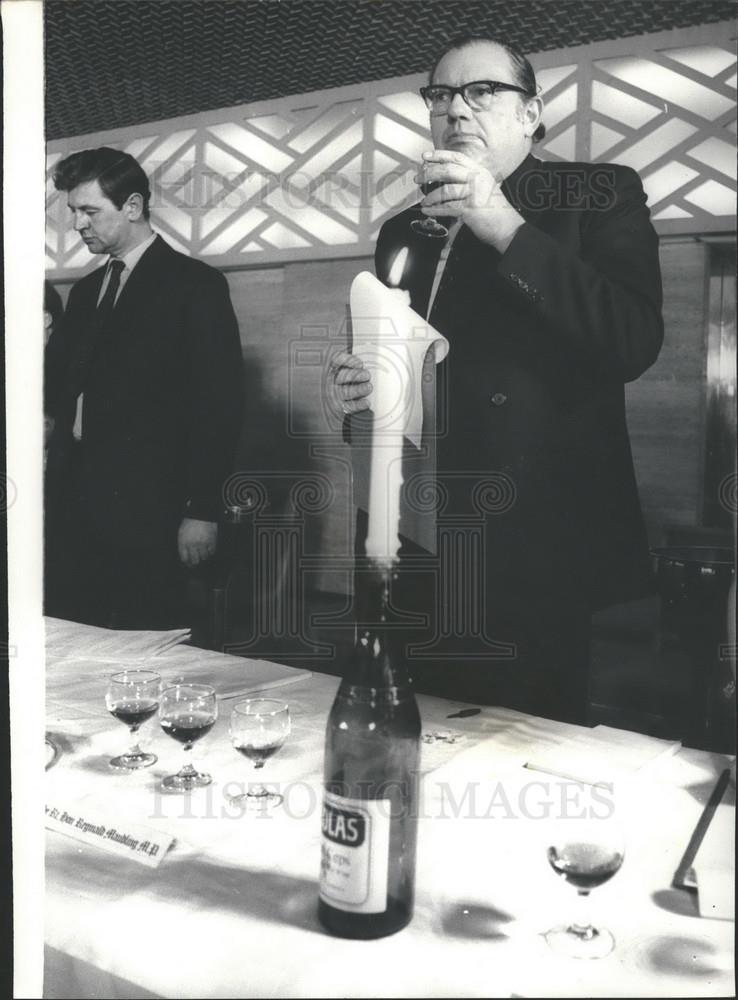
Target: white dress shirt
point(453, 232)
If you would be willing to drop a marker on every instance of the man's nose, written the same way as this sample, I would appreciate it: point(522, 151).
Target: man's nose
point(80, 222)
point(458, 108)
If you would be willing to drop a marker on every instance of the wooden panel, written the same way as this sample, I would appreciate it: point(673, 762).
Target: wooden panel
point(291, 318)
point(264, 447)
point(720, 401)
point(316, 297)
point(665, 406)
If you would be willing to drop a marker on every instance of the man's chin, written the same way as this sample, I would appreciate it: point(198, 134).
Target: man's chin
point(469, 147)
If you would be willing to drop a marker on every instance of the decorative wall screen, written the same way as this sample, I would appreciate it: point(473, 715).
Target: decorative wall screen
point(316, 175)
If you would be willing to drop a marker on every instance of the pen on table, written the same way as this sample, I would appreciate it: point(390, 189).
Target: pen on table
point(464, 713)
point(701, 829)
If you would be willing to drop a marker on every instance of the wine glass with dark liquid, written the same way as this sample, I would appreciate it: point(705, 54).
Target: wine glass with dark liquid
point(586, 853)
point(132, 697)
point(259, 727)
point(186, 713)
point(428, 226)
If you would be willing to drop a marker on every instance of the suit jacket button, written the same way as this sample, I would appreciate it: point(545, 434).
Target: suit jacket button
point(499, 399)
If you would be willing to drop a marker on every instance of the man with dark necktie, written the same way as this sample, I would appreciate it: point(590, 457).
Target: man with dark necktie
point(149, 400)
point(548, 290)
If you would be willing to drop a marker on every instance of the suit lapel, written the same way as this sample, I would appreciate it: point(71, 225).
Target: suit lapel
point(422, 262)
point(86, 342)
point(138, 292)
point(460, 259)
point(143, 282)
point(528, 188)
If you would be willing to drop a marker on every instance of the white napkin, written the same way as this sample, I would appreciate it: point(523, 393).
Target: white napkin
point(71, 640)
point(231, 676)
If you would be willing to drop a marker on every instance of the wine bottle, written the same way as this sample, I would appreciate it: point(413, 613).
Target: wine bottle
point(370, 805)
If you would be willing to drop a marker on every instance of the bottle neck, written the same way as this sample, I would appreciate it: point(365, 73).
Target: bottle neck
point(378, 660)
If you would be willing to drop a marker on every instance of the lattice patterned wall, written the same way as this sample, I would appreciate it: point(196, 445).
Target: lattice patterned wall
point(316, 175)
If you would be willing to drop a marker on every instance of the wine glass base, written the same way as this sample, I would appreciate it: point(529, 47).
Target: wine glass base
point(429, 227)
point(257, 802)
point(576, 943)
point(185, 782)
point(132, 761)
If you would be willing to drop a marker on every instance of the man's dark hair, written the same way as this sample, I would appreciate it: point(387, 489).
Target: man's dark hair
point(117, 173)
point(523, 73)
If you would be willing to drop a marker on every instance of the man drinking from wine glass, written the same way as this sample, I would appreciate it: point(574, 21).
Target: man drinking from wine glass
point(548, 290)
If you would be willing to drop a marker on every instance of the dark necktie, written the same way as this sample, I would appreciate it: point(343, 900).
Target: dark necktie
point(105, 306)
point(96, 330)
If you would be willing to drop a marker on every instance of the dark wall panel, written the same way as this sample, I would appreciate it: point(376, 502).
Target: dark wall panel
point(665, 406)
point(292, 317)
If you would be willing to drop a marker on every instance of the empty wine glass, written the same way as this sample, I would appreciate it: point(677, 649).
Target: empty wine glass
point(587, 853)
point(259, 727)
point(186, 713)
point(132, 697)
point(427, 225)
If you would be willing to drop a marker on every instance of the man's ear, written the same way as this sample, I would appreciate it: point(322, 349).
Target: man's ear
point(133, 207)
point(532, 114)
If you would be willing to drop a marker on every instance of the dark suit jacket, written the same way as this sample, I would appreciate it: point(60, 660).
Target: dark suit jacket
point(162, 390)
point(542, 340)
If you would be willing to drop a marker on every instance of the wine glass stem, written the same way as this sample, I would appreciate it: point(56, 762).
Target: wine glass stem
point(582, 924)
point(258, 790)
point(187, 769)
point(135, 750)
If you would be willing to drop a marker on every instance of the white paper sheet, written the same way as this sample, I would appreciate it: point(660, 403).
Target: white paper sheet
point(601, 755)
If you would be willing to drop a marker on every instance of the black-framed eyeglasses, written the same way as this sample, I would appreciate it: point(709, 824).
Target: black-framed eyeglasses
point(478, 95)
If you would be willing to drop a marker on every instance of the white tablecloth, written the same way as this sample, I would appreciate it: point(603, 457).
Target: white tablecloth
point(231, 910)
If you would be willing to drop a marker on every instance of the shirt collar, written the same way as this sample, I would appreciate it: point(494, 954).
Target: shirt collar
point(134, 256)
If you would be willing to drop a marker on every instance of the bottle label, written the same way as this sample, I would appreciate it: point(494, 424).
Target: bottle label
point(355, 853)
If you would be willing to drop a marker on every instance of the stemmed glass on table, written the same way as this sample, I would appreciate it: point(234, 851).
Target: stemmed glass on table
point(132, 697)
point(259, 727)
point(186, 713)
point(586, 853)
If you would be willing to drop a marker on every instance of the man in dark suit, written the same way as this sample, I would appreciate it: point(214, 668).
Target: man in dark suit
point(548, 289)
point(149, 397)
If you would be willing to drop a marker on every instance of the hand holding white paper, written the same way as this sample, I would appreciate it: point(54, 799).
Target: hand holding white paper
point(392, 340)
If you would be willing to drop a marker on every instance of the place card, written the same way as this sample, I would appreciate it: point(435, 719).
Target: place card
point(87, 823)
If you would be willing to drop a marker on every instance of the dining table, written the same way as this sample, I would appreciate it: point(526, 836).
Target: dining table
point(228, 906)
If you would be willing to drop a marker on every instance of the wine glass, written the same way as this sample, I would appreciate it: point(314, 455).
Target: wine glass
point(428, 226)
point(259, 727)
point(132, 697)
point(587, 853)
point(186, 713)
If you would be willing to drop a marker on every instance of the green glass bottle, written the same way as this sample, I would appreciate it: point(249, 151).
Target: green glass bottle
point(370, 805)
